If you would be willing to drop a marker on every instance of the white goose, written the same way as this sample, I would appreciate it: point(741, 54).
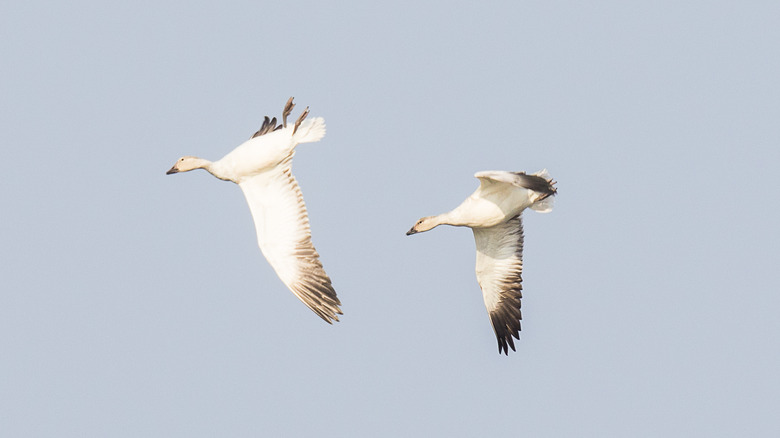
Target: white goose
point(261, 167)
point(493, 212)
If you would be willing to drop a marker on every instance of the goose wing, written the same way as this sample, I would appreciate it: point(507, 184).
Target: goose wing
point(284, 237)
point(499, 270)
point(538, 182)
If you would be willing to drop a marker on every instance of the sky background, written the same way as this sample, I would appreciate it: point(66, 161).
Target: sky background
point(138, 304)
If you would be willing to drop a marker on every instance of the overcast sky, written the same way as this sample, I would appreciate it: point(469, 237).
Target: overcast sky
point(136, 304)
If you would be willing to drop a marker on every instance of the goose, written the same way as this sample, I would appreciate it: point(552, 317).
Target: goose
point(261, 167)
point(494, 213)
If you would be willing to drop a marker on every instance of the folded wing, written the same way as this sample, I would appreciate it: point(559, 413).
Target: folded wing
point(538, 182)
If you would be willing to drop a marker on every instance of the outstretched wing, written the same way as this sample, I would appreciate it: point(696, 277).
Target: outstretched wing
point(284, 237)
point(499, 272)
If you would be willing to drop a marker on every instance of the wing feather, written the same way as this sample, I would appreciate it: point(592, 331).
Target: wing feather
point(284, 237)
point(269, 125)
point(499, 272)
point(538, 182)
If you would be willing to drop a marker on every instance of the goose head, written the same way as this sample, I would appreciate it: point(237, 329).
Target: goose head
point(424, 224)
point(185, 164)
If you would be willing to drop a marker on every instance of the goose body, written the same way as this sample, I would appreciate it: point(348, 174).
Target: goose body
point(261, 167)
point(494, 213)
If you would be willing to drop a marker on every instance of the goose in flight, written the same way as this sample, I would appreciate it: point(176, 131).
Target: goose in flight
point(493, 212)
point(261, 167)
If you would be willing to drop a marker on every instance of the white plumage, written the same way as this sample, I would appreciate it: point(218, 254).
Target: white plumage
point(261, 167)
point(494, 212)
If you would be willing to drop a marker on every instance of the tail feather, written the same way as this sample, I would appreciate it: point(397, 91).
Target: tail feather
point(310, 131)
point(543, 173)
point(543, 206)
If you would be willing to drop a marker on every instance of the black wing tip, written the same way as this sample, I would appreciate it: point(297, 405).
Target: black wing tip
point(269, 125)
point(288, 107)
point(537, 183)
point(507, 326)
point(329, 317)
point(505, 342)
point(551, 189)
point(329, 320)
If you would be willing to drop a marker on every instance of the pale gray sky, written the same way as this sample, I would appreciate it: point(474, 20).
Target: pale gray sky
point(138, 304)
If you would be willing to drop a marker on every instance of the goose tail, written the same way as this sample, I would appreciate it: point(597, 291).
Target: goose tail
point(543, 206)
point(310, 131)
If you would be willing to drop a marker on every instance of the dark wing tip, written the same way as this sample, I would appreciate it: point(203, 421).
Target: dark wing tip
point(536, 183)
point(269, 125)
point(317, 292)
point(288, 107)
point(502, 345)
point(506, 322)
point(505, 334)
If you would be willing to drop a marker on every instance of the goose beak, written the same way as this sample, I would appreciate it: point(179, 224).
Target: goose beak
point(412, 231)
point(172, 171)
